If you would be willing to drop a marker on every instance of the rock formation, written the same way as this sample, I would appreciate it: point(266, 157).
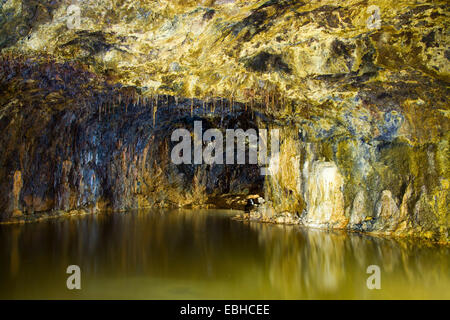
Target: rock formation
point(92, 90)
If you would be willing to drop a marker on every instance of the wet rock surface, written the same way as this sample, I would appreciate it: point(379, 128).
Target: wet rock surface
point(86, 113)
point(110, 154)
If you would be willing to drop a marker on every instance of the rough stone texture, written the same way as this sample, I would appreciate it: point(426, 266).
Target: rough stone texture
point(104, 154)
point(372, 101)
point(324, 198)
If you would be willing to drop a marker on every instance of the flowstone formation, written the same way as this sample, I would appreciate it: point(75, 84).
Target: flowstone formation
point(92, 90)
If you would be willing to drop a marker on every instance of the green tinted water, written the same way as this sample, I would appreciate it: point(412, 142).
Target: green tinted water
point(206, 255)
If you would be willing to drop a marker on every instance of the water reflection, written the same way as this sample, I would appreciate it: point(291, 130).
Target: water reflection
point(312, 263)
point(205, 254)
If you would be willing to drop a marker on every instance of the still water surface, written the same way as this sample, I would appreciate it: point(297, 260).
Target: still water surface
point(203, 254)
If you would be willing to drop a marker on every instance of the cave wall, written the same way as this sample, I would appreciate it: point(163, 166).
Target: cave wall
point(117, 157)
point(344, 182)
point(361, 102)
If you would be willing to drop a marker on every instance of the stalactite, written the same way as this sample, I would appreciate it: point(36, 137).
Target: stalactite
point(155, 109)
point(231, 104)
point(273, 101)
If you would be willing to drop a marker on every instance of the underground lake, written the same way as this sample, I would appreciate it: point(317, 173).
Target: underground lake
point(224, 149)
point(206, 254)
